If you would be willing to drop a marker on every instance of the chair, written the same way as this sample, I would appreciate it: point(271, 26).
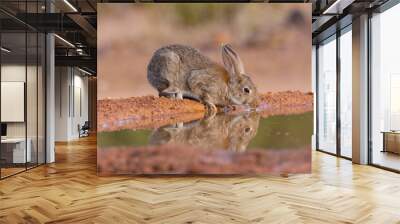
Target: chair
point(84, 130)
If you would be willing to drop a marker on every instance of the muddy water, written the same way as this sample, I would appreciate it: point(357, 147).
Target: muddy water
point(237, 133)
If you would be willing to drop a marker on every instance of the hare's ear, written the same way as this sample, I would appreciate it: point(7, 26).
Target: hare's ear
point(232, 61)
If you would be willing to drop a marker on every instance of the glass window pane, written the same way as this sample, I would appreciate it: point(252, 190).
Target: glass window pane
point(386, 89)
point(327, 96)
point(346, 94)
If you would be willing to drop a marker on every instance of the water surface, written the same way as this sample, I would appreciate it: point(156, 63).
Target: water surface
point(231, 132)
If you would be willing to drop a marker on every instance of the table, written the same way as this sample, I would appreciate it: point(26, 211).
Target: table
point(391, 141)
point(16, 148)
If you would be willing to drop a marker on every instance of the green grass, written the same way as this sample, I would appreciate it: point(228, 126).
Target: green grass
point(123, 138)
point(197, 14)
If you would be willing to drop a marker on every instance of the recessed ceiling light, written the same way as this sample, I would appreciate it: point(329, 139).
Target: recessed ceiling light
point(5, 50)
point(70, 5)
point(337, 7)
point(64, 40)
point(84, 71)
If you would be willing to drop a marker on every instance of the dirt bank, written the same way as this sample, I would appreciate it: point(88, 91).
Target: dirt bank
point(163, 160)
point(151, 111)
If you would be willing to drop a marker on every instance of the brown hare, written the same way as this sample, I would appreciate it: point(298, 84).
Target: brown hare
point(229, 132)
point(179, 71)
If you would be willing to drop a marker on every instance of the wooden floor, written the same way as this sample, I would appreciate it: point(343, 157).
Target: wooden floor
point(5, 172)
point(387, 159)
point(70, 192)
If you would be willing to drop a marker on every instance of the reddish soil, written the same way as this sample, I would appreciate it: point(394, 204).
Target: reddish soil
point(163, 160)
point(145, 112)
point(151, 111)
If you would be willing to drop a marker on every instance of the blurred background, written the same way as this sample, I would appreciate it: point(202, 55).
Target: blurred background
point(273, 41)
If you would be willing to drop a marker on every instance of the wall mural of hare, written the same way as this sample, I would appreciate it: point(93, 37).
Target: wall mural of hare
point(204, 89)
point(179, 71)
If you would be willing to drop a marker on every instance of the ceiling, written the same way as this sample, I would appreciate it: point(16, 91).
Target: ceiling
point(76, 22)
point(331, 15)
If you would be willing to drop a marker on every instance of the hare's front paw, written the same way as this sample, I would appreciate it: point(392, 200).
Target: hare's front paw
point(172, 92)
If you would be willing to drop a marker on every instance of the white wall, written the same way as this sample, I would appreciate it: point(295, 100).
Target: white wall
point(33, 126)
point(71, 94)
point(80, 110)
point(62, 82)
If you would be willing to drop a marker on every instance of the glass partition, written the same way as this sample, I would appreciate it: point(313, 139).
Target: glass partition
point(32, 85)
point(13, 95)
point(22, 88)
point(327, 95)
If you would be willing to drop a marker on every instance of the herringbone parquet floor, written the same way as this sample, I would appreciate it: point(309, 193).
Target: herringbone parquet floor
point(70, 192)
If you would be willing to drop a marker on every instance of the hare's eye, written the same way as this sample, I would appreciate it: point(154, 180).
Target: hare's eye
point(246, 90)
point(247, 129)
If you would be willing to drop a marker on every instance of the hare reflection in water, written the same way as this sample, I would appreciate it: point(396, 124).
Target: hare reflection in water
point(230, 132)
